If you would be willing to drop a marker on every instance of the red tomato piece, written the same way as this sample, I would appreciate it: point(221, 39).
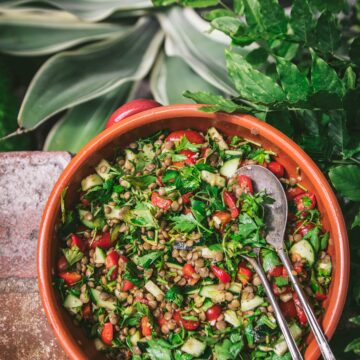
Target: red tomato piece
point(70, 277)
point(127, 285)
point(244, 274)
point(111, 260)
point(85, 202)
point(190, 325)
point(221, 274)
point(298, 267)
point(278, 271)
point(107, 333)
point(299, 310)
point(131, 108)
point(104, 242)
point(191, 157)
point(276, 168)
point(245, 183)
point(62, 264)
point(161, 321)
point(188, 271)
point(193, 136)
point(186, 197)
point(305, 201)
point(76, 241)
point(320, 296)
point(293, 192)
point(177, 317)
point(230, 202)
point(223, 217)
point(303, 229)
point(145, 326)
point(213, 313)
point(160, 202)
point(288, 309)
point(123, 258)
point(86, 311)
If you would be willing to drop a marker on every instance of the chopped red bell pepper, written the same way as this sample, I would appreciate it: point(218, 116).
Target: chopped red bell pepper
point(245, 183)
point(145, 326)
point(107, 333)
point(244, 274)
point(188, 271)
point(62, 264)
point(293, 192)
point(104, 242)
point(191, 157)
point(305, 201)
point(221, 274)
point(288, 309)
point(193, 136)
point(230, 202)
point(299, 310)
point(76, 241)
point(160, 202)
point(70, 277)
point(111, 260)
point(127, 285)
point(303, 229)
point(276, 168)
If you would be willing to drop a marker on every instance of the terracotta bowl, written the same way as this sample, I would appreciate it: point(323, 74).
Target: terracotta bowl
point(175, 117)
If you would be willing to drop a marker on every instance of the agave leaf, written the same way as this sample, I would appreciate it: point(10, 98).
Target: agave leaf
point(203, 54)
point(83, 122)
point(30, 32)
point(90, 10)
point(169, 78)
point(74, 77)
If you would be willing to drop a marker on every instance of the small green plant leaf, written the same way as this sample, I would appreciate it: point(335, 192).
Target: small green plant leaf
point(346, 180)
point(301, 20)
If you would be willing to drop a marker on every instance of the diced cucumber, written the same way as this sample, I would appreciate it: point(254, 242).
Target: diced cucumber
point(235, 288)
point(193, 347)
point(231, 318)
point(212, 178)
point(148, 151)
point(103, 169)
point(280, 346)
point(324, 266)
point(207, 305)
point(99, 345)
point(233, 152)
point(218, 139)
point(173, 265)
point(100, 256)
point(71, 302)
point(304, 250)
point(97, 223)
point(135, 338)
point(251, 304)
point(91, 181)
point(107, 304)
point(191, 290)
point(115, 213)
point(153, 289)
point(130, 158)
point(229, 167)
point(212, 292)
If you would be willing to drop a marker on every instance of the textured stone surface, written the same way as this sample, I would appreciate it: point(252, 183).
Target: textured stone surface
point(26, 179)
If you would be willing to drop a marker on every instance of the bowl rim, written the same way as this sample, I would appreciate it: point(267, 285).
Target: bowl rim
point(340, 280)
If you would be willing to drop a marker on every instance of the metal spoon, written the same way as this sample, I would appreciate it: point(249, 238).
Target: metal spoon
point(294, 350)
point(276, 219)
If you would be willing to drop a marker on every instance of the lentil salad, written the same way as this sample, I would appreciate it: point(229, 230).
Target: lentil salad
point(151, 264)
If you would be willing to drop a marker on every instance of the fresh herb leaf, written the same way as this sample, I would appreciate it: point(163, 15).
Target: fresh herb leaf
point(147, 260)
point(174, 294)
point(72, 255)
point(142, 182)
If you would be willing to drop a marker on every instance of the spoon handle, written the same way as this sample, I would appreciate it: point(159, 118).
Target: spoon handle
point(315, 327)
point(294, 350)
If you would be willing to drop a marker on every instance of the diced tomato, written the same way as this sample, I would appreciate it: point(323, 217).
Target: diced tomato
point(160, 202)
point(111, 260)
point(276, 168)
point(161, 320)
point(85, 202)
point(245, 183)
point(278, 271)
point(186, 197)
point(293, 192)
point(104, 242)
point(244, 274)
point(213, 313)
point(305, 201)
point(177, 317)
point(205, 152)
point(299, 310)
point(230, 202)
point(298, 267)
point(191, 156)
point(127, 285)
point(221, 274)
point(320, 296)
point(303, 229)
point(145, 326)
point(70, 277)
point(76, 241)
point(193, 136)
point(86, 311)
point(188, 271)
point(190, 325)
point(107, 333)
point(62, 264)
point(222, 217)
point(288, 309)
